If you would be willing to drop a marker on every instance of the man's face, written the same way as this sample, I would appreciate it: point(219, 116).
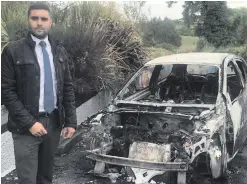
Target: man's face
point(39, 23)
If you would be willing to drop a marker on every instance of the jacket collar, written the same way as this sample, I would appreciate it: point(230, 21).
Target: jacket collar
point(32, 43)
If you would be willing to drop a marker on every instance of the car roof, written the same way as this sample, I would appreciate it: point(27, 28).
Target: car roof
point(191, 58)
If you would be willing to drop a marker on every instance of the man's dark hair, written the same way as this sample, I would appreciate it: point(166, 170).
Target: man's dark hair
point(38, 6)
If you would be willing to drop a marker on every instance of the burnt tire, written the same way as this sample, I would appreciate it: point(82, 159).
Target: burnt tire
point(168, 177)
point(218, 165)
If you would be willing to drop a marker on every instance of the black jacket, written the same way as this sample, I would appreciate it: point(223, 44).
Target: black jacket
point(21, 85)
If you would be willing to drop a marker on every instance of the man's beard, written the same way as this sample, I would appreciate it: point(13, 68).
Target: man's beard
point(39, 36)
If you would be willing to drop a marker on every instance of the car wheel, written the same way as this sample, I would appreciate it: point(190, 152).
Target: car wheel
point(168, 177)
point(218, 159)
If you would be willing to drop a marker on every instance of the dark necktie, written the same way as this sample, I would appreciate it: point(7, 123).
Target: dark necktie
point(48, 82)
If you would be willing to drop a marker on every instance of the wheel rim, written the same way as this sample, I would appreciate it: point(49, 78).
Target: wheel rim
point(216, 162)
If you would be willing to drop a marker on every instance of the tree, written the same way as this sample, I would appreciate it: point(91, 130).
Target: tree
point(238, 17)
point(214, 24)
point(191, 12)
point(211, 21)
point(157, 31)
point(133, 10)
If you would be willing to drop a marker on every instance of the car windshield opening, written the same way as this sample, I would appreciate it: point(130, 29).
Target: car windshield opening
point(174, 83)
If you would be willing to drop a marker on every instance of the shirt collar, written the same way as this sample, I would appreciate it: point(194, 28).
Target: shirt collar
point(38, 40)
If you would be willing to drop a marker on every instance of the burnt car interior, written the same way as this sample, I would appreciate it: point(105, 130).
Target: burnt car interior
point(177, 83)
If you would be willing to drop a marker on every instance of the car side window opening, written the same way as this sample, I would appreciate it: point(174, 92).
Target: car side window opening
point(143, 79)
point(234, 85)
point(140, 82)
point(243, 68)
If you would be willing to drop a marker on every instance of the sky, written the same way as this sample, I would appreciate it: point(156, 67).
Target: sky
point(160, 9)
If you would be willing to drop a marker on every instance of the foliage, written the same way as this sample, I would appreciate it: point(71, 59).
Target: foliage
point(14, 20)
point(99, 47)
point(204, 46)
point(133, 10)
point(214, 24)
point(183, 30)
point(155, 52)
point(201, 44)
point(211, 21)
point(157, 31)
point(191, 12)
point(238, 17)
point(167, 46)
point(189, 44)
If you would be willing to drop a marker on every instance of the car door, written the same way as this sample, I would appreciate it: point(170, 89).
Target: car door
point(241, 138)
point(233, 89)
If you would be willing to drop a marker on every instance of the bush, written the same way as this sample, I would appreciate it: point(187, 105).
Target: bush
point(240, 50)
point(103, 52)
point(167, 46)
point(157, 31)
point(185, 31)
point(201, 44)
point(14, 20)
point(204, 46)
point(155, 52)
point(238, 18)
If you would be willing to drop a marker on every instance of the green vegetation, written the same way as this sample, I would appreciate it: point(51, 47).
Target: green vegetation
point(189, 44)
point(206, 47)
point(155, 52)
point(238, 17)
point(157, 32)
point(214, 24)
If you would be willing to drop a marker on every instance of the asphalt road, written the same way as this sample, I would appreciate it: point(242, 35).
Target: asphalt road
point(72, 168)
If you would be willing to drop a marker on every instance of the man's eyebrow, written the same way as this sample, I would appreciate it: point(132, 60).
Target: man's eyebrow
point(38, 17)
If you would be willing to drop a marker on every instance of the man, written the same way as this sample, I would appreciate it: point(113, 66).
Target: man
point(37, 90)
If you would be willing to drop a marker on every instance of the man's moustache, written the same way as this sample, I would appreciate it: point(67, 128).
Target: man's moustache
point(39, 28)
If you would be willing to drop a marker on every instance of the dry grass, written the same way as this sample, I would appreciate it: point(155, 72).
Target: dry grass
point(188, 44)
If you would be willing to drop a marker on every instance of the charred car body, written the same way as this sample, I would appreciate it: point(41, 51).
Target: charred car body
point(173, 111)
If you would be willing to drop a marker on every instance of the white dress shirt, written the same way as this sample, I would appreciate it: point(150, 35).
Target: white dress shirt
point(39, 54)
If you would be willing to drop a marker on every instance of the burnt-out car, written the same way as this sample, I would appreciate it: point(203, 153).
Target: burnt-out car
point(175, 112)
